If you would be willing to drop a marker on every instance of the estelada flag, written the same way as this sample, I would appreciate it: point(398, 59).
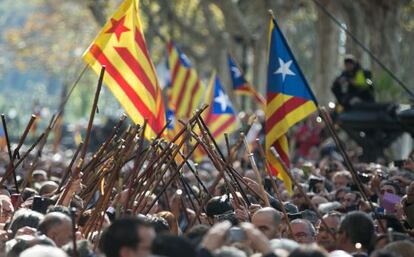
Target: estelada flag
point(185, 91)
point(289, 99)
point(240, 84)
point(220, 116)
point(130, 73)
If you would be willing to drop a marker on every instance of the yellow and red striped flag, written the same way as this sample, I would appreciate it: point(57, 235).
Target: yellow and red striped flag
point(130, 73)
point(185, 90)
point(289, 100)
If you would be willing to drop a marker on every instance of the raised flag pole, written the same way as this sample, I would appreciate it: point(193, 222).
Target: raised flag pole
point(78, 168)
point(328, 121)
point(11, 168)
point(16, 153)
point(92, 115)
point(256, 170)
point(204, 127)
point(11, 159)
point(173, 153)
point(69, 168)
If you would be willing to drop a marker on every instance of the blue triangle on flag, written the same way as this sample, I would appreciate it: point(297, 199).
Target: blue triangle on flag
point(220, 103)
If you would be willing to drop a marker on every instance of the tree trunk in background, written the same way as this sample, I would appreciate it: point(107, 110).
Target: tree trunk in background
point(260, 63)
point(353, 15)
point(98, 10)
point(382, 19)
point(326, 61)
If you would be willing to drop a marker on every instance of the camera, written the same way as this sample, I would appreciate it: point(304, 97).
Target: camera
point(40, 204)
point(364, 177)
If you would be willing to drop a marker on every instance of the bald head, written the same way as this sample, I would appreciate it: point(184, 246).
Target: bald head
point(268, 220)
point(58, 227)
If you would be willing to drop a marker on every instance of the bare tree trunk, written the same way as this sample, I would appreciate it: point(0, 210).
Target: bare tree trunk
point(326, 54)
point(260, 63)
point(353, 15)
point(98, 9)
point(382, 18)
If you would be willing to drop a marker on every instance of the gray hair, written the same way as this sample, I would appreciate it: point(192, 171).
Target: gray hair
point(311, 228)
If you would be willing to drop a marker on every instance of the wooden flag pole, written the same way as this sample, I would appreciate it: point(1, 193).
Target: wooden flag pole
point(256, 170)
point(78, 168)
point(325, 116)
point(12, 167)
point(92, 115)
point(23, 137)
point(6, 134)
point(69, 168)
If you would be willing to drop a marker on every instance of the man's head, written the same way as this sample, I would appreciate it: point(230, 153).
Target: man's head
point(351, 201)
point(83, 248)
point(127, 237)
point(39, 176)
point(356, 227)
point(303, 231)
point(23, 218)
point(390, 187)
point(324, 237)
point(43, 251)
point(318, 200)
point(269, 221)
point(401, 248)
point(58, 227)
point(173, 246)
point(341, 179)
point(47, 187)
point(159, 224)
point(349, 62)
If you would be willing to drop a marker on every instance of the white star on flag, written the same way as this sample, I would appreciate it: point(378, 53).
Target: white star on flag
point(223, 100)
point(236, 72)
point(284, 69)
point(185, 59)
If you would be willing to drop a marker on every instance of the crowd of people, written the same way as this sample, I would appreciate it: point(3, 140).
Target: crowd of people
point(326, 214)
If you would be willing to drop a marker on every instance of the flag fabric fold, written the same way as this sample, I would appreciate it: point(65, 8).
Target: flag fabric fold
point(130, 73)
point(289, 100)
point(240, 84)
